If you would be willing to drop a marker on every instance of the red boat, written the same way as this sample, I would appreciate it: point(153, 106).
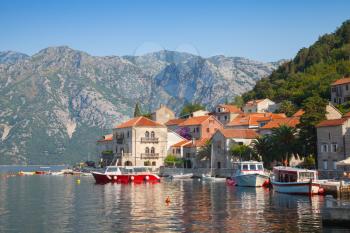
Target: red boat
point(115, 174)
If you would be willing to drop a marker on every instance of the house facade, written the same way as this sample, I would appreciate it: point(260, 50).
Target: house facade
point(201, 126)
point(163, 114)
point(105, 150)
point(340, 91)
point(333, 145)
point(226, 113)
point(253, 120)
point(140, 142)
point(260, 106)
point(224, 139)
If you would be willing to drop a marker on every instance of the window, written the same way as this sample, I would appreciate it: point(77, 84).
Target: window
point(324, 148)
point(197, 129)
point(334, 164)
point(252, 167)
point(260, 167)
point(218, 117)
point(218, 109)
point(147, 134)
point(152, 150)
point(245, 167)
point(240, 143)
point(333, 89)
point(329, 135)
point(154, 163)
point(128, 134)
point(225, 118)
point(147, 163)
point(178, 151)
point(152, 134)
point(347, 87)
point(334, 147)
point(325, 164)
point(208, 130)
point(173, 151)
point(147, 150)
point(335, 100)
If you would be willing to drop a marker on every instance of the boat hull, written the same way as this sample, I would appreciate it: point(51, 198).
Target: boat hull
point(251, 180)
point(182, 176)
point(102, 178)
point(303, 188)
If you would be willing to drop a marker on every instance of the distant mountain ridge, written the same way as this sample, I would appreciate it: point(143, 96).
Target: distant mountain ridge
point(56, 103)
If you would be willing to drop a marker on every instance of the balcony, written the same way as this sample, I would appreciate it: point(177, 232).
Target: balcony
point(149, 155)
point(149, 140)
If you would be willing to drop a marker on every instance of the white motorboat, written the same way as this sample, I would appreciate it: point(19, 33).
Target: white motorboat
point(182, 176)
point(250, 173)
point(295, 181)
point(208, 177)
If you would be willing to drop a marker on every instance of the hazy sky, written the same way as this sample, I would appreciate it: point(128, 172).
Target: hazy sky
point(261, 30)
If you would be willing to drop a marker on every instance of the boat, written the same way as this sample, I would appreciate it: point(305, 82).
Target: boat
point(295, 181)
point(209, 177)
point(182, 176)
point(22, 173)
point(127, 174)
point(250, 174)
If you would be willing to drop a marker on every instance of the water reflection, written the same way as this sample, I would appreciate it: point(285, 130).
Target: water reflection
point(59, 204)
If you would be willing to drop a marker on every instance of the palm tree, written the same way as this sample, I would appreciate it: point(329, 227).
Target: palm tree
point(243, 152)
point(284, 143)
point(262, 146)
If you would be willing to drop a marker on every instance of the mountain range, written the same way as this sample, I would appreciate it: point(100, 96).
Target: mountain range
point(56, 103)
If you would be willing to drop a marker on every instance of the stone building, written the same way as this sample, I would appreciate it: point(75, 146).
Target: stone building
point(140, 142)
point(222, 141)
point(259, 106)
point(333, 145)
point(105, 150)
point(225, 113)
point(340, 90)
point(163, 114)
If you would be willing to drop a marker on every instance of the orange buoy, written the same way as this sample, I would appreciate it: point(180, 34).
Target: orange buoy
point(167, 200)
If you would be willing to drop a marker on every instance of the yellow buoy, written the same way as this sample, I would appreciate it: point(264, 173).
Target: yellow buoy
point(78, 181)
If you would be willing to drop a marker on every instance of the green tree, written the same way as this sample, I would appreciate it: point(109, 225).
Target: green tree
point(287, 107)
point(238, 101)
point(243, 152)
point(262, 147)
point(315, 111)
point(204, 152)
point(284, 143)
point(137, 111)
point(172, 160)
point(190, 108)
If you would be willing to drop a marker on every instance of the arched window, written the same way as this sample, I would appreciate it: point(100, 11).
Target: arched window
point(152, 150)
point(154, 163)
point(147, 134)
point(128, 163)
point(152, 134)
point(147, 150)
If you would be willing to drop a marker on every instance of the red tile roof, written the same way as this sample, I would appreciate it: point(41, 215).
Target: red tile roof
point(194, 120)
point(174, 121)
point(230, 108)
point(290, 121)
point(239, 133)
point(341, 81)
point(252, 119)
point(139, 121)
point(106, 138)
point(334, 122)
point(252, 102)
point(299, 113)
point(197, 143)
point(181, 143)
point(347, 114)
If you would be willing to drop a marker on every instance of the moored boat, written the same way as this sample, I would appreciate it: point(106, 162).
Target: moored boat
point(116, 174)
point(295, 181)
point(250, 173)
point(182, 176)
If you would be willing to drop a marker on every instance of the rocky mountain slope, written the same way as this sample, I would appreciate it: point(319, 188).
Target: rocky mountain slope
point(56, 103)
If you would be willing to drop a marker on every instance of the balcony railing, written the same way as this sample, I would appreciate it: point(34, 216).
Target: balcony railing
point(149, 155)
point(149, 140)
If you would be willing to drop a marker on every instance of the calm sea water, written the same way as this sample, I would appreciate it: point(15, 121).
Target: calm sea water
point(60, 204)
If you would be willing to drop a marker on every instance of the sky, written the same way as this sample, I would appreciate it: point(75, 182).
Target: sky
point(261, 30)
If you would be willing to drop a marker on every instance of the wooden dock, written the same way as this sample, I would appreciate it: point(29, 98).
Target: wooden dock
point(338, 189)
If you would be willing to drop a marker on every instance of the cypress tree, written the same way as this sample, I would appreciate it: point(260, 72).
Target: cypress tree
point(137, 111)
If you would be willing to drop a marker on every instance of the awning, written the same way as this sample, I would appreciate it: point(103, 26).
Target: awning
point(345, 162)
